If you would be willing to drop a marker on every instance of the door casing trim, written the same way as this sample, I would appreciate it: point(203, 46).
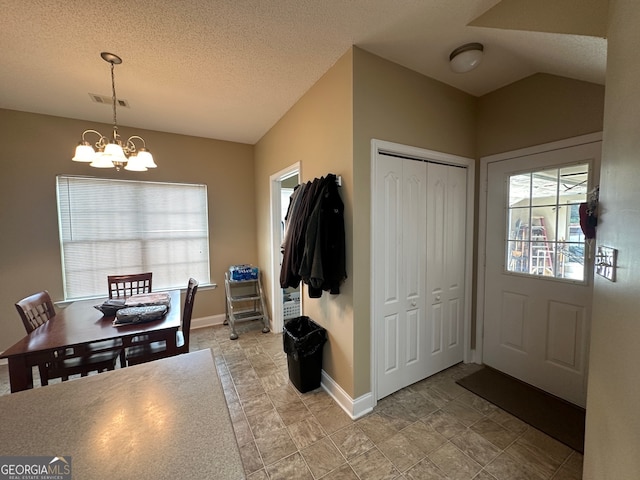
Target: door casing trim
point(277, 321)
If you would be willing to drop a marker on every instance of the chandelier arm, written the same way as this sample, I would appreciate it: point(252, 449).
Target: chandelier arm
point(131, 146)
point(102, 141)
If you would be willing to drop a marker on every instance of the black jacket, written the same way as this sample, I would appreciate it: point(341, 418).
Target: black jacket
point(323, 262)
point(314, 249)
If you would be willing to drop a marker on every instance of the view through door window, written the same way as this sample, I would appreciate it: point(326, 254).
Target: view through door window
point(544, 237)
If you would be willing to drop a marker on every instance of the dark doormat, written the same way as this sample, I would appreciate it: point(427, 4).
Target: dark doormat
point(555, 417)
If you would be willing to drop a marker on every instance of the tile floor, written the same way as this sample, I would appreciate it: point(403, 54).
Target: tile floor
point(433, 429)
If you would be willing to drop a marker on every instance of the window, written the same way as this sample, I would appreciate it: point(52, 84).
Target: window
point(110, 227)
point(544, 234)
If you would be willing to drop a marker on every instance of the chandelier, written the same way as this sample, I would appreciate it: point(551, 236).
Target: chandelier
point(114, 152)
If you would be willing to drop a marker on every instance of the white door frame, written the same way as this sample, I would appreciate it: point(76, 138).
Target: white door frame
point(482, 216)
point(448, 159)
point(277, 322)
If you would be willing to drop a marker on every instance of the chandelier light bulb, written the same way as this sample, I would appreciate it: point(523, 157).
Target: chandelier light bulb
point(135, 164)
point(84, 153)
point(102, 161)
point(146, 158)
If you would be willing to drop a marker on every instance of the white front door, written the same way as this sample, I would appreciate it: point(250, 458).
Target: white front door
point(538, 273)
point(419, 252)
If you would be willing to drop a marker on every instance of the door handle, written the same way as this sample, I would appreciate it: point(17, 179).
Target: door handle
point(437, 298)
point(413, 303)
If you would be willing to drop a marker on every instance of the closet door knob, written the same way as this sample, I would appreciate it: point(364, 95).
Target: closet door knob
point(413, 304)
point(437, 298)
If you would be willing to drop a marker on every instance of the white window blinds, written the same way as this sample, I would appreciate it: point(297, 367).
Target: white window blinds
point(114, 227)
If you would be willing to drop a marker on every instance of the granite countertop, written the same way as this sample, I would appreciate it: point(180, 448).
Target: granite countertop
point(162, 419)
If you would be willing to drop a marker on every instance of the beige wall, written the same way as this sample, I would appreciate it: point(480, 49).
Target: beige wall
point(317, 132)
point(398, 105)
point(538, 109)
point(36, 148)
point(613, 423)
point(330, 130)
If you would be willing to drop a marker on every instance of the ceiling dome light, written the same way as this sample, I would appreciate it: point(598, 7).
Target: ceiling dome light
point(466, 58)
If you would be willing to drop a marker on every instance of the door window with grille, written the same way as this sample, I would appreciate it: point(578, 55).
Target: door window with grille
point(544, 237)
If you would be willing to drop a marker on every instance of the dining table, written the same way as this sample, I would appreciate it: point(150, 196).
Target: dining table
point(80, 324)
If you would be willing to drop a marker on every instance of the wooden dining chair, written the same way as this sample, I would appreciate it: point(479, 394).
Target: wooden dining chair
point(152, 351)
point(37, 309)
point(122, 286)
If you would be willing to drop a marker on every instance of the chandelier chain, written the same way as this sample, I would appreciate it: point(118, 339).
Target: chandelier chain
point(113, 100)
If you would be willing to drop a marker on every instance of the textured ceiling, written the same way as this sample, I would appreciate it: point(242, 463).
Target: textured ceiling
point(229, 69)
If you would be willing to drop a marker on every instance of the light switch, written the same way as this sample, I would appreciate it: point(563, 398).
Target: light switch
point(606, 259)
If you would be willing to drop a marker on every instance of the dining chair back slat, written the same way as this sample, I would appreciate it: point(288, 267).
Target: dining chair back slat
point(122, 286)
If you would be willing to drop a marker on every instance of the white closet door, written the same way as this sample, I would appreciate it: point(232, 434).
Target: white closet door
point(399, 272)
point(419, 242)
point(446, 242)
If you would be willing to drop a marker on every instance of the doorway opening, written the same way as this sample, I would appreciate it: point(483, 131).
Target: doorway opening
point(286, 303)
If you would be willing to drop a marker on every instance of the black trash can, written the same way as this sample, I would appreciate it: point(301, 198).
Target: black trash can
point(303, 340)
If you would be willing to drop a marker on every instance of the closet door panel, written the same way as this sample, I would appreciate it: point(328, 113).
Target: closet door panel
point(399, 272)
point(446, 219)
point(413, 225)
point(391, 184)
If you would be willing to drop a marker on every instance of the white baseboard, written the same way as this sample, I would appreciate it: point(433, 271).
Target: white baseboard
point(209, 321)
point(354, 408)
point(475, 357)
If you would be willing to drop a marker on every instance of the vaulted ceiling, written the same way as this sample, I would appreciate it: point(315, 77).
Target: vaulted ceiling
point(229, 69)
